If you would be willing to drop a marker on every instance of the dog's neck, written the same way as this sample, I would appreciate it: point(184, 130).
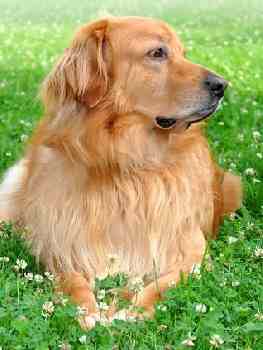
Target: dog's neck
point(105, 139)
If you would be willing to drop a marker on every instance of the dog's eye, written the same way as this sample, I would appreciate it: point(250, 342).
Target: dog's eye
point(158, 54)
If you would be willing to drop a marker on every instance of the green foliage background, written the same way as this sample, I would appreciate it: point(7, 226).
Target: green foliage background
point(226, 36)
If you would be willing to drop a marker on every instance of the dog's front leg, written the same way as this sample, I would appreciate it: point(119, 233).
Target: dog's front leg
point(80, 291)
point(194, 251)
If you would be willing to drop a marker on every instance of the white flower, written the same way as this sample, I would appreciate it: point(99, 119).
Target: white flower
point(101, 294)
point(20, 264)
point(83, 339)
point(103, 306)
point(29, 276)
point(162, 308)
point(241, 137)
point(136, 284)
point(49, 276)
point(216, 341)
point(256, 135)
point(259, 316)
point(201, 308)
point(232, 239)
point(4, 259)
point(82, 310)
point(23, 137)
point(208, 263)
point(189, 341)
point(171, 284)
point(196, 270)
point(64, 346)
point(235, 284)
point(250, 172)
point(259, 155)
point(222, 284)
point(258, 252)
point(39, 278)
point(47, 308)
point(64, 301)
point(232, 216)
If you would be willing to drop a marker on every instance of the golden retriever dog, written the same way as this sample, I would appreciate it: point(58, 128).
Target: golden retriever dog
point(119, 166)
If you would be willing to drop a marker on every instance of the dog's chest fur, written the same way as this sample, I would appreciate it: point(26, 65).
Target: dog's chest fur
point(140, 222)
point(146, 220)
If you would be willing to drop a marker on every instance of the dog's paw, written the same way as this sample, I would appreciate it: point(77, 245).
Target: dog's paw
point(89, 321)
point(129, 315)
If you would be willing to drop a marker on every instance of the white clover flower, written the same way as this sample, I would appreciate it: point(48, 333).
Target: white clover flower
point(49, 276)
point(232, 239)
point(201, 308)
point(222, 284)
point(29, 276)
point(48, 308)
point(258, 252)
point(259, 316)
point(235, 284)
point(23, 137)
point(250, 172)
point(101, 294)
point(196, 270)
point(256, 135)
point(259, 155)
point(39, 278)
point(4, 259)
point(162, 327)
point(103, 306)
point(171, 284)
point(162, 308)
point(241, 137)
point(83, 339)
point(189, 341)
point(232, 216)
point(216, 340)
point(136, 284)
point(64, 346)
point(64, 301)
point(82, 310)
point(21, 264)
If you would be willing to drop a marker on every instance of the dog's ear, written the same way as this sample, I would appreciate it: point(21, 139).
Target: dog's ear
point(81, 74)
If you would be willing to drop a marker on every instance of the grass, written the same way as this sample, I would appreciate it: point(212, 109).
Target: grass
point(226, 36)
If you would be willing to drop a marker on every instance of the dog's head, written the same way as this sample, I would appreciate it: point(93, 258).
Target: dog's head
point(135, 65)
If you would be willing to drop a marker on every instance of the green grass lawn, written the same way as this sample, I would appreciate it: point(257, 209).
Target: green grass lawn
point(222, 307)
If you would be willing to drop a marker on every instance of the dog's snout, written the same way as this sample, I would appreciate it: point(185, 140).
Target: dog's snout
point(215, 84)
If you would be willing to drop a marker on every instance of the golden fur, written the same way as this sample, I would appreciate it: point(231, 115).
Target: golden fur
point(100, 178)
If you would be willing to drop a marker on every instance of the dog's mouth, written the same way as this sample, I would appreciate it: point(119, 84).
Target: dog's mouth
point(165, 122)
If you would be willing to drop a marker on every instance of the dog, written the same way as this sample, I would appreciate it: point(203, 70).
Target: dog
point(120, 165)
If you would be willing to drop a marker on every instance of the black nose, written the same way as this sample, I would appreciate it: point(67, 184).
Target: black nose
point(215, 84)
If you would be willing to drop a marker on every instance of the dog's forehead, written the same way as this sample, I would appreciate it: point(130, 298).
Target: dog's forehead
point(129, 28)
